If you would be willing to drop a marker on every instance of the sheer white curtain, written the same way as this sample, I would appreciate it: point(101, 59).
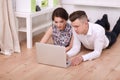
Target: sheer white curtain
point(9, 42)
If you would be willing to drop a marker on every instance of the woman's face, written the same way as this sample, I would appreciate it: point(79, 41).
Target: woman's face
point(60, 23)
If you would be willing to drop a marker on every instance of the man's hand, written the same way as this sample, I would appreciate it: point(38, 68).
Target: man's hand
point(76, 61)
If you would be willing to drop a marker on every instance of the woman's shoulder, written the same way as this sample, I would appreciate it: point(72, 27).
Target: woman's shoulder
point(68, 24)
point(68, 27)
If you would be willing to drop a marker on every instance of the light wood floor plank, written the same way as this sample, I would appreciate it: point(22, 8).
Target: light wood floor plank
point(24, 66)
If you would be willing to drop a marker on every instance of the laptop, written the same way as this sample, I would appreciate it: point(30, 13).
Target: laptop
point(50, 54)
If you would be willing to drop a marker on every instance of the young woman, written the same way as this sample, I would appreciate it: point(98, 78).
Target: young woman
point(61, 32)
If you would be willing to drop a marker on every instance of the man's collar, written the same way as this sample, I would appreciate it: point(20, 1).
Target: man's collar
point(89, 30)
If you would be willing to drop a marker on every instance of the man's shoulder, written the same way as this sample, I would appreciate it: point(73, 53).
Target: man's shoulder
point(96, 26)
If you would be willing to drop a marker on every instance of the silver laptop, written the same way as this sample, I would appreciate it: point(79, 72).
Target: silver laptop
point(51, 55)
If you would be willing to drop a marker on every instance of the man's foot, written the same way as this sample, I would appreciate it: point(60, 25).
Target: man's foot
point(116, 28)
point(105, 20)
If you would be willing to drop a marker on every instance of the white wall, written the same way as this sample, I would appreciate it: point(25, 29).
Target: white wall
point(107, 3)
point(94, 11)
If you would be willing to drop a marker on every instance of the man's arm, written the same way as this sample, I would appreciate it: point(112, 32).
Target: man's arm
point(99, 44)
point(89, 56)
point(98, 47)
point(76, 46)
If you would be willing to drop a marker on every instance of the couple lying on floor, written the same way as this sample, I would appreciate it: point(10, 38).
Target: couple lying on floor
point(95, 36)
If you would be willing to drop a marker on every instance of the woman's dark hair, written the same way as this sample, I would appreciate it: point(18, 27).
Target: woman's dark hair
point(60, 12)
point(77, 14)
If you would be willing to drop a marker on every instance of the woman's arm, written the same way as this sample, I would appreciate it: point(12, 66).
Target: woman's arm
point(47, 36)
point(70, 45)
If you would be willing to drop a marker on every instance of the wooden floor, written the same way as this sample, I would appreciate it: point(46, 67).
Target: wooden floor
point(23, 66)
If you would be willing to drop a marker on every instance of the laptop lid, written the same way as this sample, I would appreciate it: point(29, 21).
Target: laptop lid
point(51, 55)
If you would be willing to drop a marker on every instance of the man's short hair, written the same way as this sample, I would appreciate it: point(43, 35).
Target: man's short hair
point(77, 15)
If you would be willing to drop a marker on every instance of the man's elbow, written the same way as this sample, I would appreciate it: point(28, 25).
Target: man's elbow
point(76, 49)
point(98, 54)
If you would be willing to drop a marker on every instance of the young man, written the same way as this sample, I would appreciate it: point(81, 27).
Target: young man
point(92, 36)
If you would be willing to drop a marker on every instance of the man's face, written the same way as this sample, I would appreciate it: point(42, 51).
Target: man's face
point(79, 26)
